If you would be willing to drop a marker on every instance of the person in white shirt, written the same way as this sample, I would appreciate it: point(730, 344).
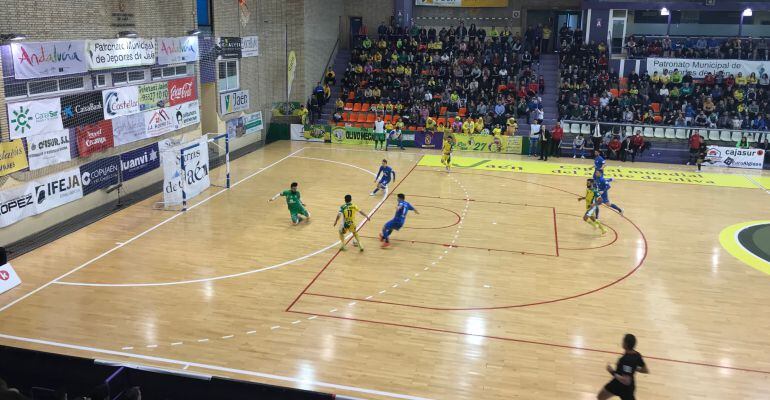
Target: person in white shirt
point(428, 96)
point(578, 144)
point(534, 137)
point(379, 125)
point(663, 92)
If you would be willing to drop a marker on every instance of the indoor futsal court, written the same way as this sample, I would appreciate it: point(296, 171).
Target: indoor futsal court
point(496, 290)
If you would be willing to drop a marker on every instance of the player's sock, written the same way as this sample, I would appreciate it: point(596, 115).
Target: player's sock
point(360, 246)
point(375, 190)
point(342, 241)
point(601, 227)
point(616, 208)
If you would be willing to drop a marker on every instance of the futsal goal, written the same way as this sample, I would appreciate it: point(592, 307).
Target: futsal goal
point(191, 167)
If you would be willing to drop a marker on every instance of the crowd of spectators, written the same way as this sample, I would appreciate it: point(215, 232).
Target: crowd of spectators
point(100, 392)
point(591, 91)
point(640, 46)
point(417, 73)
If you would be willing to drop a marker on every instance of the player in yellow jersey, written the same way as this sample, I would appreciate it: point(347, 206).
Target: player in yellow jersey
point(446, 149)
point(593, 201)
point(348, 212)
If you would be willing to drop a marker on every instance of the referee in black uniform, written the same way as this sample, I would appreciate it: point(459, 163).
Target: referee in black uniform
point(622, 383)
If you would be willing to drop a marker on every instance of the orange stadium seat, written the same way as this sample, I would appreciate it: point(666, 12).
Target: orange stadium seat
point(657, 119)
point(388, 118)
point(370, 117)
point(442, 111)
point(462, 112)
point(348, 107)
point(655, 107)
point(357, 107)
point(365, 107)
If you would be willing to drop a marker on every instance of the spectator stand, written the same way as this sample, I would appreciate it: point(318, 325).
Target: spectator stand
point(667, 144)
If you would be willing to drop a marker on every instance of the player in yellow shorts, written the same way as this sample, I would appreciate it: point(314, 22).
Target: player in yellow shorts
point(446, 148)
point(348, 212)
point(593, 201)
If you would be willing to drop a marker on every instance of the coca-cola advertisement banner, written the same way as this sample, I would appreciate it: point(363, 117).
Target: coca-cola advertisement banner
point(82, 109)
point(94, 138)
point(181, 91)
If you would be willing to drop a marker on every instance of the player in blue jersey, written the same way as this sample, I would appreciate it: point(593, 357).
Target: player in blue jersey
point(384, 176)
point(599, 161)
point(398, 220)
point(603, 188)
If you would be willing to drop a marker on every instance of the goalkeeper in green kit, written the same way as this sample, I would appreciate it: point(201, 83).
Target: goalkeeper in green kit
point(296, 206)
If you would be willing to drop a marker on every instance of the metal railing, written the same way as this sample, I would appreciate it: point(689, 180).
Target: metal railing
point(664, 132)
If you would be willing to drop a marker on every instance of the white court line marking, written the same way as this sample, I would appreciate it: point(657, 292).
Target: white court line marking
point(382, 291)
point(369, 297)
point(202, 340)
point(171, 218)
point(333, 310)
point(351, 304)
point(296, 381)
point(216, 278)
point(312, 317)
point(177, 343)
point(127, 348)
point(228, 337)
point(296, 322)
point(759, 185)
point(251, 332)
point(152, 346)
point(272, 328)
point(186, 366)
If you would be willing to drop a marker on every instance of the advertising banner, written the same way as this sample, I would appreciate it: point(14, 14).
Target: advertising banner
point(17, 203)
point(350, 135)
point(12, 157)
point(698, 68)
point(139, 162)
point(462, 3)
point(158, 122)
point(195, 177)
point(252, 123)
point(82, 109)
point(128, 129)
point(55, 190)
point(732, 157)
point(185, 114)
point(34, 117)
point(249, 46)
point(8, 278)
point(120, 101)
point(234, 128)
point(182, 91)
point(177, 50)
point(316, 133)
point(153, 96)
point(230, 47)
point(120, 53)
point(428, 140)
point(49, 149)
point(41, 59)
point(100, 174)
point(487, 143)
point(94, 138)
point(233, 102)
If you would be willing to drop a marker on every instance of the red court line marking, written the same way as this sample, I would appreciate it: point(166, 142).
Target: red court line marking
point(479, 201)
point(438, 227)
point(616, 281)
point(338, 250)
point(555, 231)
point(533, 342)
point(592, 248)
point(463, 247)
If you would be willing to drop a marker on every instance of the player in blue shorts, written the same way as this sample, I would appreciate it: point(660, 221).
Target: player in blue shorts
point(398, 220)
point(384, 176)
point(599, 161)
point(603, 187)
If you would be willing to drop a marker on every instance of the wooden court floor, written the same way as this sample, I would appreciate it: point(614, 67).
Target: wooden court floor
point(496, 290)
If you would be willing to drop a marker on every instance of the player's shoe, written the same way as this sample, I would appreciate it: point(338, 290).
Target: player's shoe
point(385, 244)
